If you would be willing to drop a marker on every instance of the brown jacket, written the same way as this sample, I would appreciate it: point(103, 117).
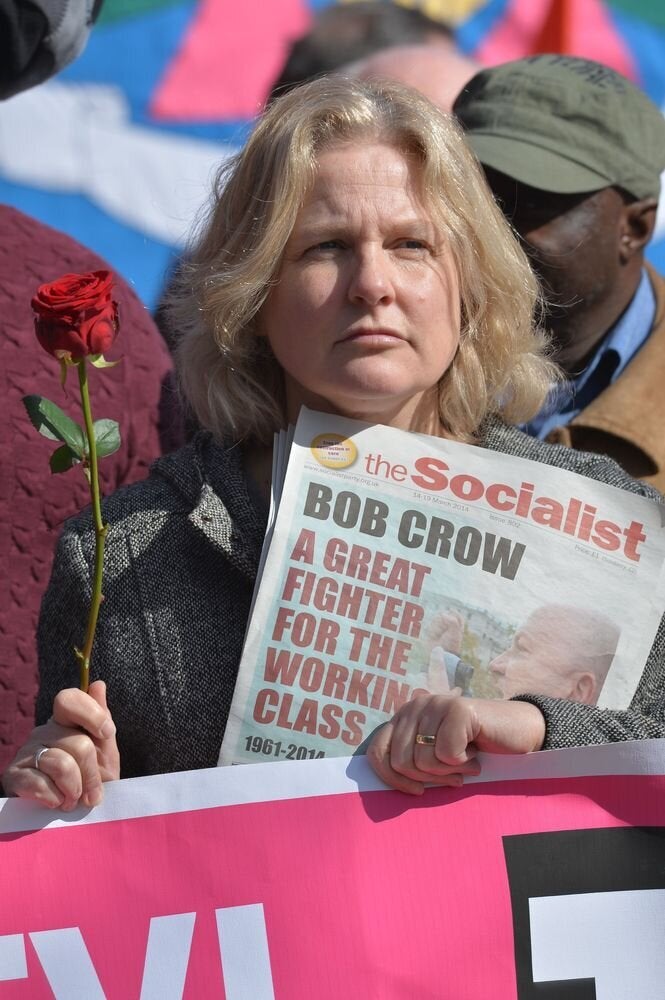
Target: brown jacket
point(627, 420)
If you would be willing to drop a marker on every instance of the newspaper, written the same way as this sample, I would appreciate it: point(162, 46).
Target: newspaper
point(397, 564)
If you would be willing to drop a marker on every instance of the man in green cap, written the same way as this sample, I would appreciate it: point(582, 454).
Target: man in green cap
point(573, 153)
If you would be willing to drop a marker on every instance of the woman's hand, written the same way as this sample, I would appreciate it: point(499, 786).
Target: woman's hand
point(81, 753)
point(455, 730)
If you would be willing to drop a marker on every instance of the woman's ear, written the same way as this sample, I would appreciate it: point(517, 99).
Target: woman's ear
point(637, 226)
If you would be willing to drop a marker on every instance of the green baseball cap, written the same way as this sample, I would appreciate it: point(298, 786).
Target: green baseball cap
point(564, 124)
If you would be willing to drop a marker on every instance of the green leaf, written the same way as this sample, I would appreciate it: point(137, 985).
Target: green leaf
point(31, 404)
point(107, 437)
point(62, 459)
point(54, 423)
point(99, 361)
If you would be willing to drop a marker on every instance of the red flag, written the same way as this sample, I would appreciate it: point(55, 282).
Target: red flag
point(557, 31)
point(575, 27)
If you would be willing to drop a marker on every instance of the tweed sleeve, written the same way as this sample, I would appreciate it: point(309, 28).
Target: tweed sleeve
point(569, 723)
point(62, 622)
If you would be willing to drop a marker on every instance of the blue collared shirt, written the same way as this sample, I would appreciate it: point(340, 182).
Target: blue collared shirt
point(613, 355)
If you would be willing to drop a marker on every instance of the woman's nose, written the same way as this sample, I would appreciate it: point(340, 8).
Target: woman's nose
point(371, 282)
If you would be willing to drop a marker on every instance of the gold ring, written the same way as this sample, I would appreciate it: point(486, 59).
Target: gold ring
point(425, 741)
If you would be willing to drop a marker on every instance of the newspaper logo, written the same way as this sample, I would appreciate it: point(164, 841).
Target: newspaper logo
point(334, 451)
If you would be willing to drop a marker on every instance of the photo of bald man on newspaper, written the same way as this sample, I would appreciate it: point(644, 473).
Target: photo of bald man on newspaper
point(559, 651)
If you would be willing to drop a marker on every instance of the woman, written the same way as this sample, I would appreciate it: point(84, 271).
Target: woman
point(353, 261)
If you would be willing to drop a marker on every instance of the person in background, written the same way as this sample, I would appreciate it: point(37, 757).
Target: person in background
point(139, 392)
point(39, 38)
point(573, 153)
point(344, 33)
point(437, 71)
point(355, 262)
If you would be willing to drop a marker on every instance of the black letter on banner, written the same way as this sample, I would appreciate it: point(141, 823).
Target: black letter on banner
point(573, 872)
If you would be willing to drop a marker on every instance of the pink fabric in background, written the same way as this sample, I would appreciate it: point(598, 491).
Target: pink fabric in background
point(371, 895)
point(228, 60)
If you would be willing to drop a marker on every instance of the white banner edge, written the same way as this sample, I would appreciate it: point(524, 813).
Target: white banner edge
point(209, 788)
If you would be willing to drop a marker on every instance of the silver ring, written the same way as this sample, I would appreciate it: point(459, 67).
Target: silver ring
point(38, 756)
point(425, 741)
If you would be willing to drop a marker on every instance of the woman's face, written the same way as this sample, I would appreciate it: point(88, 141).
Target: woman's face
point(365, 316)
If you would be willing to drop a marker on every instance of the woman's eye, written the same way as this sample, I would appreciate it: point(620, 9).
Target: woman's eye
point(412, 244)
point(326, 245)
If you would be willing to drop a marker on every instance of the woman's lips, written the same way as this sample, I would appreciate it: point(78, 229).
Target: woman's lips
point(369, 337)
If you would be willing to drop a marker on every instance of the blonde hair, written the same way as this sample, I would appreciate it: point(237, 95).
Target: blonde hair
point(229, 375)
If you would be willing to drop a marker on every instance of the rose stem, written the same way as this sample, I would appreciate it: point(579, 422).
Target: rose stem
point(100, 529)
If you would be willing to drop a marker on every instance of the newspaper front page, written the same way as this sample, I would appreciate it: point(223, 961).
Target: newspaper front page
point(398, 564)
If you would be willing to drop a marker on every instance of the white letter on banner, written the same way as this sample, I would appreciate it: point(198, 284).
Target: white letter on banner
point(13, 964)
point(243, 945)
point(614, 938)
point(70, 972)
point(67, 964)
point(167, 956)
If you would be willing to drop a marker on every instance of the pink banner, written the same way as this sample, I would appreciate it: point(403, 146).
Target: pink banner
point(307, 880)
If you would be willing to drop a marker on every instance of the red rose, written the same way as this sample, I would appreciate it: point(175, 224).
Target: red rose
point(76, 315)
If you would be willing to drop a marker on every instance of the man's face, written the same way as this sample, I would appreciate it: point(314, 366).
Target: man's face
point(540, 660)
point(573, 243)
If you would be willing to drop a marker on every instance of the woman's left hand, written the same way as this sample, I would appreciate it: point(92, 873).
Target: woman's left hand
point(64, 762)
point(455, 730)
